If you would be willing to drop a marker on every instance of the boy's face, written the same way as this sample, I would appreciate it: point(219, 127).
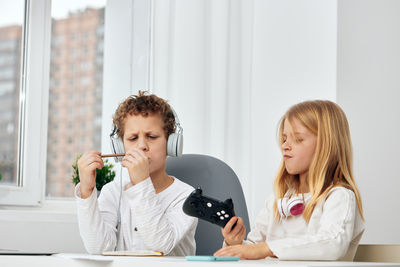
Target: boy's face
point(147, 134)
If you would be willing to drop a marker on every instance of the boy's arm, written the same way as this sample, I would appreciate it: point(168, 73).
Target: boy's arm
point(97, 229)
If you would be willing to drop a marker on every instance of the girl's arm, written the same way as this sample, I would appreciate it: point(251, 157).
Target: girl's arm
point(255, 247)
point(259, 232)
point(330, 231)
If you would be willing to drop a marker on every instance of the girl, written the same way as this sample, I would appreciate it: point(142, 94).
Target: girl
point(145, 211)
point(316, 212)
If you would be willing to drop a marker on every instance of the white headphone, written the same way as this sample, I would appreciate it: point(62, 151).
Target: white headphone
point(290, 206)
point(174, 142)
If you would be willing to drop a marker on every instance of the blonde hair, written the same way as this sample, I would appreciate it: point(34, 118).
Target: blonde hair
point(331, 165)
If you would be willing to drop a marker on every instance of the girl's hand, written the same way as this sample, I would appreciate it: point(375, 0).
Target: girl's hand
point(236, 235)
point(247, 252)
point(138, 165)
point(87, 165)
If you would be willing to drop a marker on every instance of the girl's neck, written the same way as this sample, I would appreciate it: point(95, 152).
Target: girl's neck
point(303, 186)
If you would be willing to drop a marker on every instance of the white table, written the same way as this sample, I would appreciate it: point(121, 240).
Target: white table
point(84, 260)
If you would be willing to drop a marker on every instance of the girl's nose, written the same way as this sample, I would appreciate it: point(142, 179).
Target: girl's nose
point(286, 146)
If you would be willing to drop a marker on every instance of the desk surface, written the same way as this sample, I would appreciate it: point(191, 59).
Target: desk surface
point(78, 260)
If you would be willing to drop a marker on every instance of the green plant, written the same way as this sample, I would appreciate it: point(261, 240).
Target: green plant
point(103, 176)
point(1, 176)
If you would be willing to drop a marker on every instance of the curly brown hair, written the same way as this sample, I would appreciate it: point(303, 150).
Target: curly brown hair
point(144, 104)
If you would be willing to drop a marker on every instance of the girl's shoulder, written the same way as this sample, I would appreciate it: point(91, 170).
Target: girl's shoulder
point(340, 194)
point(340, 190)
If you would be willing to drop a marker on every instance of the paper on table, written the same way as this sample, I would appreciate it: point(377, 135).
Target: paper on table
point(77, 256)
point(139, 253)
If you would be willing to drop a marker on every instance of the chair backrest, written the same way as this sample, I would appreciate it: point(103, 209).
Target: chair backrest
point(378, 253)
point(217, 180)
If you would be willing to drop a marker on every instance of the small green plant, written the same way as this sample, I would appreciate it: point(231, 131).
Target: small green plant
point(1, 176)
point(103, 176)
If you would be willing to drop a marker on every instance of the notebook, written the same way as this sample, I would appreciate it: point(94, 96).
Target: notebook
point(24, 252)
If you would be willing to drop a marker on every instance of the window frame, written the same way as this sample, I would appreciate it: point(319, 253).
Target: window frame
point(36, 97)
point(32, 133)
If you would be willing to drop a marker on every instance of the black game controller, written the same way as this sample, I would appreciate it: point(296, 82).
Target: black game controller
point(209, 209)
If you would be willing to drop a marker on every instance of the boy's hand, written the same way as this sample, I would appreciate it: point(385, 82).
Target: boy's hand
point(87, 165)
point(236, 235)
point(247, 252)
point(138, 165)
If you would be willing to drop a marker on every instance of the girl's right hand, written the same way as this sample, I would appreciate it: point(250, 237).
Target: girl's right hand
point(87, 165)
point(236, 235)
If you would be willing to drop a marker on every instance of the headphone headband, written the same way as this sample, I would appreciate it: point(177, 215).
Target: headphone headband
point(174, 140)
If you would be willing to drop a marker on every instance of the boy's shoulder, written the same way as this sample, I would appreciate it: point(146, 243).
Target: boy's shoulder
point(182, 186)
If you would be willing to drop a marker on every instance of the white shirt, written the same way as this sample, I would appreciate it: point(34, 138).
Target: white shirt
point(149, 221)
point(332, 233)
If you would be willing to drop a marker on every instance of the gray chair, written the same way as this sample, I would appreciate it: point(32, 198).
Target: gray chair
point(217, 180)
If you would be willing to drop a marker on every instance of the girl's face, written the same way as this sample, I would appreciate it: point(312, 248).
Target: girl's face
point(298, 149)
point(147, 134)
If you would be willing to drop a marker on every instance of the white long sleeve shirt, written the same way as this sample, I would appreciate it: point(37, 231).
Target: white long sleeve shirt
point(149, 221)
point(332, 233)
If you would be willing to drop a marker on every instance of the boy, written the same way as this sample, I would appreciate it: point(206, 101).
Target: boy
point(148, 199)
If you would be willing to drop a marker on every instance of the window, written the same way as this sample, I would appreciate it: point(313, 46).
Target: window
point(41, 108)
point(21, 100)
point(11, 49)
point(83, 25)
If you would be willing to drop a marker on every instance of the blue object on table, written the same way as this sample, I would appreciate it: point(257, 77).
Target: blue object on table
point(211, 258)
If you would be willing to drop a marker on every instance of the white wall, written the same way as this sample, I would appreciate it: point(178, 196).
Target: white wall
point(294, 59)
point(50, 228)
point(232, 68)
point(368, 89)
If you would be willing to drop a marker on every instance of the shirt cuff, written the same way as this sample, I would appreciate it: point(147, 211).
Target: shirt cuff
point(84, 201)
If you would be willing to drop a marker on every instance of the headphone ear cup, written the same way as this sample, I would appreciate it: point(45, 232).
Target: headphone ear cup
point(282, 207)
point(290, 206)
point(117, 147)
point(296, 206)
point(175, 145)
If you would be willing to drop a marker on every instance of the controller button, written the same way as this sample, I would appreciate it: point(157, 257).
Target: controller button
point(226, 215)
point(222, 217)
point(209, 204)
point(218, 213)
point(222, 211)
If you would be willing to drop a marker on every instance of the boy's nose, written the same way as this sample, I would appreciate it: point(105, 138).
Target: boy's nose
point(142, 144)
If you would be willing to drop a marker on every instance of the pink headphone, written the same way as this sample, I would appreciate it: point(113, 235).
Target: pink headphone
point(290, 206)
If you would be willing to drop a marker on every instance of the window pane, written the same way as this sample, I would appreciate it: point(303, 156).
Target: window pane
point(75, 98)
point(11, 21)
